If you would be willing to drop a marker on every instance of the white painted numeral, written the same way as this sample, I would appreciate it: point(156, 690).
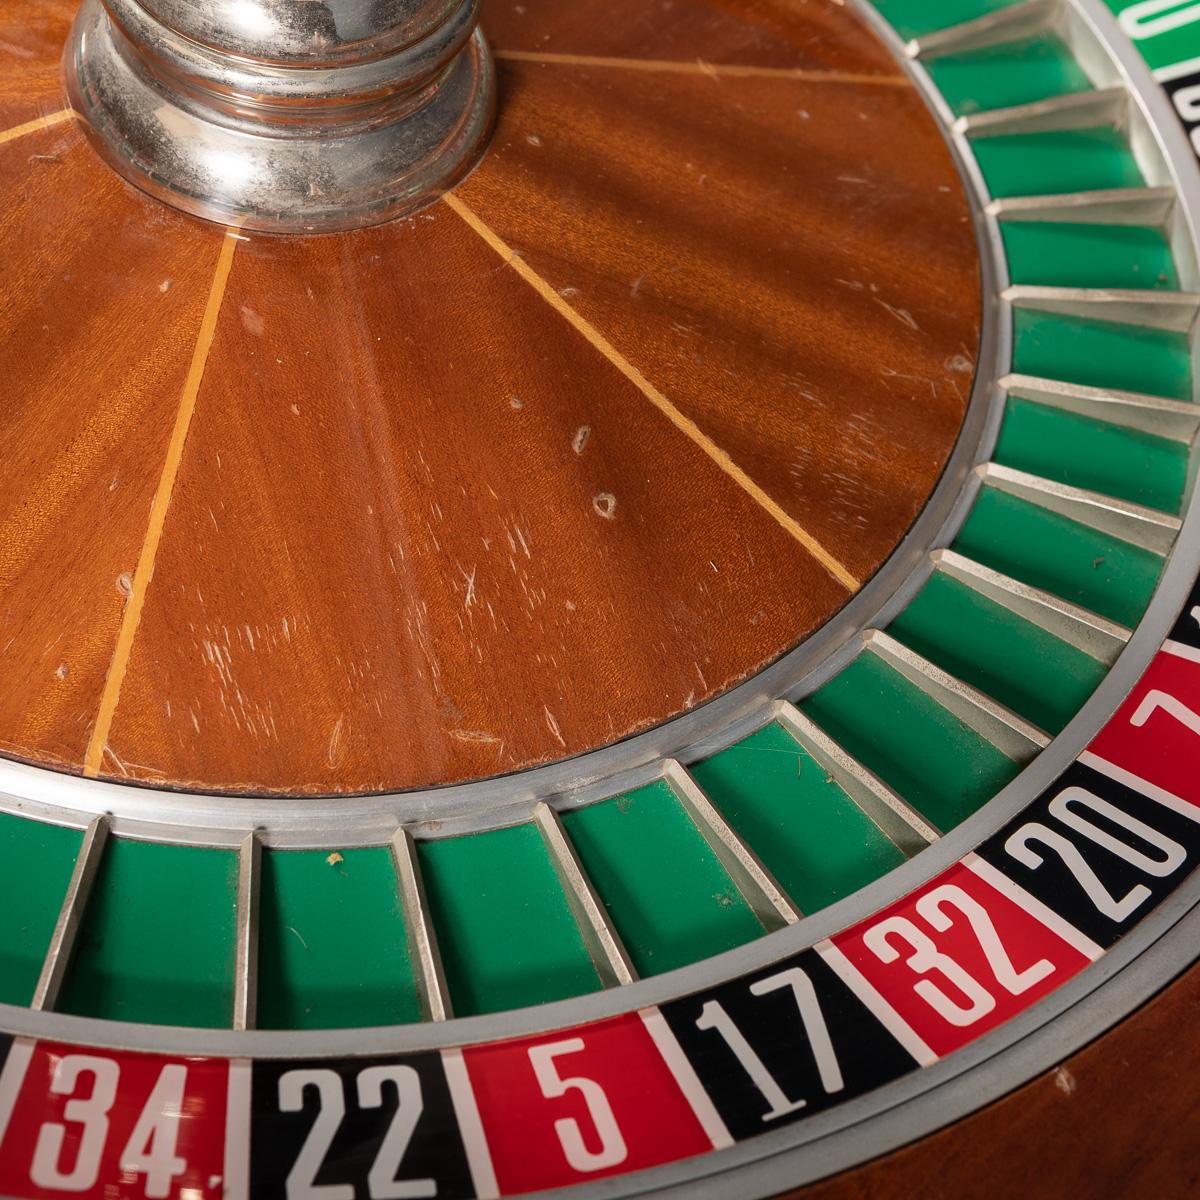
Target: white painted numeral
point(926, 957)
point(1155, 700)
point(150, 1150)
point(331, 1108)
point(814, 1022)
point(1187, 105)
point(90, 1111)
point(713, 1016)
point(1149, 18)
point(612, 1145)
point(382, 1183)
point(1020, 847)
point(1173, 854)
point(1007, 976)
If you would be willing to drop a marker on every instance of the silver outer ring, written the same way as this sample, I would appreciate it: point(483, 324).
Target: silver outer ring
point(1140, 964)
point(343, 821)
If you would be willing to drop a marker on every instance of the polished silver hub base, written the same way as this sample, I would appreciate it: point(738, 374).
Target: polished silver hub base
point(285, 116)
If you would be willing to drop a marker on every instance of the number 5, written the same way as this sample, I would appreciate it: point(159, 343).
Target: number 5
point(612, 1145)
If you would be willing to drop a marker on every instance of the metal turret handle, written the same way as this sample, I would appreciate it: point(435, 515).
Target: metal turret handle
point(287, 116)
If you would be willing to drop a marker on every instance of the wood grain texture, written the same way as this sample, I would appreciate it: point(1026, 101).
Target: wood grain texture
point(442, 515)
point(390, 559)
point(1119, 1119)
point(814, 35)
point(792, 264)
point(99, 302)
point(32, 36)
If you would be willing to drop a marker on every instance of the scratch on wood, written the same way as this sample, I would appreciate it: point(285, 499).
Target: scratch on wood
point(337, 747)
point(553, 724)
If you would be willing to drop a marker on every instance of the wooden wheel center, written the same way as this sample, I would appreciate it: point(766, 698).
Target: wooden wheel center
point(629, 415)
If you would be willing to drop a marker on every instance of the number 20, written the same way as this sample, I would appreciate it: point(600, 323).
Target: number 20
point(1171, 854)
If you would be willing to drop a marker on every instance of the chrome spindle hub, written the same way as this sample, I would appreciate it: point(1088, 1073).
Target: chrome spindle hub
point(287, 116)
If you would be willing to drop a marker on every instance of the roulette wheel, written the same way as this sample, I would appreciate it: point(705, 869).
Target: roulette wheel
point(598, 598)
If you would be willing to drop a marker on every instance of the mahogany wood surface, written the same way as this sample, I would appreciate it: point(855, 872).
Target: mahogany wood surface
point(810, 35)
point(1118, 1119)
point(97, 323)
point(562, 457)
point(419, 560)
point(32, 36)
point(779, 270)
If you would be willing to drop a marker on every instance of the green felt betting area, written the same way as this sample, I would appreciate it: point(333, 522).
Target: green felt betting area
point(1098, 353)
point(975, 639)
point(1056, 162)
point(37, 863)
point(332, 942)
point(1066, 254)
point(156, 941)
point(668, 896)
point(812, 837)
point(1012, 73)
point(912, 18)
point(508, 937)
point(942, 767)
point(1084, 452)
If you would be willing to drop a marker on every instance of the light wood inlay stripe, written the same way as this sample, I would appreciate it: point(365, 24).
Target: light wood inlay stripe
point(158, 511)
point(683, 423)
point(700, 67)
point(19, 131)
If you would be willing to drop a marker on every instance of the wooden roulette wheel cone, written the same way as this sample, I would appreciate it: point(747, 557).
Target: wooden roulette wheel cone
point(558, 458)
point(593, 596)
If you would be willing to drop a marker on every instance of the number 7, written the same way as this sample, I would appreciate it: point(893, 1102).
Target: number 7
point(1175, 708)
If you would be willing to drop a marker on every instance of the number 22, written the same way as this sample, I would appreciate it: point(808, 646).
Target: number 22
point(382, 1183)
